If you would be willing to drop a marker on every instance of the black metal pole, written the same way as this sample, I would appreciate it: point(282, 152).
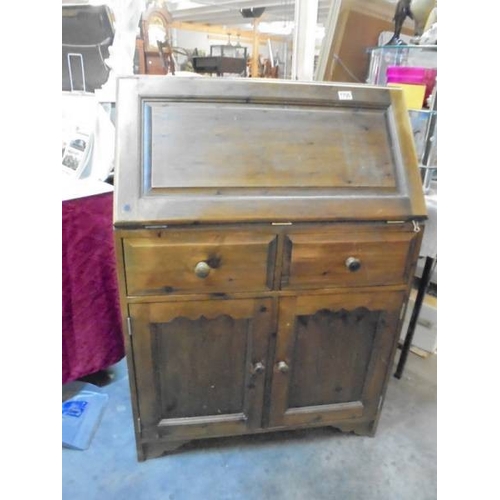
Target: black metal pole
point(422, 289)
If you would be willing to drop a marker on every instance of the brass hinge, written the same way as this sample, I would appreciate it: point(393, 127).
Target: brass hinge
point(129, 326)
point(403, 310)
point(281, 223)
point(416, 225)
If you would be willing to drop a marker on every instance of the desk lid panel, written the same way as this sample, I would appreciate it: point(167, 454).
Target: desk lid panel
point(225, 150)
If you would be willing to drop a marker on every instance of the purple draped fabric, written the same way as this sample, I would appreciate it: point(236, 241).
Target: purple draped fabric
point(92, 333)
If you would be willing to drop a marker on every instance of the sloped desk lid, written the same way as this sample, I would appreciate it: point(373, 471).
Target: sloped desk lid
point(228, 150)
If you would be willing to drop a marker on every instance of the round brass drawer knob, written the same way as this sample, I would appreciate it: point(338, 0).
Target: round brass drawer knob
point(258, 368)
point(353, 264)
point(283, 367)
point(202, 269)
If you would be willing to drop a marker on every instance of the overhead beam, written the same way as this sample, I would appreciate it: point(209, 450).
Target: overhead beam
point(221, 8)
point(263, 40)
point(214, 4)
point(217, 3)
point(234, 17)
point(277, 10)
point(225, 30)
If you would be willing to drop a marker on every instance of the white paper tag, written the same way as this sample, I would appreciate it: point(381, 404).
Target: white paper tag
point(345, 95)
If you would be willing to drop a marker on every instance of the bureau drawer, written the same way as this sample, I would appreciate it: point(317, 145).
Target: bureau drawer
point(191, 261)
point(347, 256)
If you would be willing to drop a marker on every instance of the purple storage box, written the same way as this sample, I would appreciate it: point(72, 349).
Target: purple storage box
point(413, 76)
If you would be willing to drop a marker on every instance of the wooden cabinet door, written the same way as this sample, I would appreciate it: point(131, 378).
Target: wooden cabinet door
point(332, 356)
point(200, 366)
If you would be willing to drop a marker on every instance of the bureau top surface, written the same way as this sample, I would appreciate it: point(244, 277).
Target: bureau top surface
point(195, 150)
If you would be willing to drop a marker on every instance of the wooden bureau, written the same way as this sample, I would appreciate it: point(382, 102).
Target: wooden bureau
point(267, 234)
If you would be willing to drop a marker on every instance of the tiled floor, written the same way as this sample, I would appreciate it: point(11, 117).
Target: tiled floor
point(399, 463)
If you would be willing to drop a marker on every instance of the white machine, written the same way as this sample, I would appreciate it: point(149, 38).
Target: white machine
point(88, 137)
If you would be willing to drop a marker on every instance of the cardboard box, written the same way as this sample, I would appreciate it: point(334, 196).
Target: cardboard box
point(414, 94)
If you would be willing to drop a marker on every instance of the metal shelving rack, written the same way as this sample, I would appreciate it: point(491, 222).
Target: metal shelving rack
point(424, 121)
point(424, 124)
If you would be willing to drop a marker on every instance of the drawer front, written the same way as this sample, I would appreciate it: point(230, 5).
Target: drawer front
point(347, 256)
point(199, 262)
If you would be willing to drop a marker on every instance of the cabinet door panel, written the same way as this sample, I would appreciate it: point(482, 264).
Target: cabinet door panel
point(332, 356)
point(200, 365)
point(321, 353)
point(195, 365)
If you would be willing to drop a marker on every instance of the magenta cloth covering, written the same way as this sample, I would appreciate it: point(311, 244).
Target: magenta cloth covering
point(91, 324)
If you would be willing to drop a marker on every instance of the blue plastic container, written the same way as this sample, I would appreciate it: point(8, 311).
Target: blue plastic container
point(81, 415)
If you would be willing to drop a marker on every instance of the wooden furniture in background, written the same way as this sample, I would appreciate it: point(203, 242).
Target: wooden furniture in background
point(265, 260)
point(155, 56)
point(222, 59)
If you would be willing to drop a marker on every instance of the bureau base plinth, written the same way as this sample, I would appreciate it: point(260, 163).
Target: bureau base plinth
point(165, 446)
point(158, 449)
point(360, 429)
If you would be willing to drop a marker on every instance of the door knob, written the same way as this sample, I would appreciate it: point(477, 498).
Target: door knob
point(258, 368)
point(202, 269)
point(283, 367)
point(353, 264)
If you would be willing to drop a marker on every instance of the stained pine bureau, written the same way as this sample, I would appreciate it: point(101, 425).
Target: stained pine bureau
point(266, 234)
